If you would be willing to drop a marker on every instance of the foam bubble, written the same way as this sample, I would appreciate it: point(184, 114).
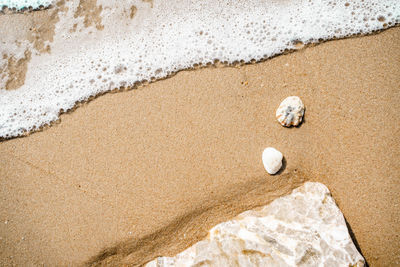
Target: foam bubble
point(108, 48)
point(20, 4)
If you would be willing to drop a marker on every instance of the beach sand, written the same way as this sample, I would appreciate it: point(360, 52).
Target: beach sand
point(142, 173)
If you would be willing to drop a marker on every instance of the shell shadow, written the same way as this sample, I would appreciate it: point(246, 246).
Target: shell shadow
point(284, 163)
point(303, 119)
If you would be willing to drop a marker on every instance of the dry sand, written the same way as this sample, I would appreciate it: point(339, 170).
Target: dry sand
point(147, 172)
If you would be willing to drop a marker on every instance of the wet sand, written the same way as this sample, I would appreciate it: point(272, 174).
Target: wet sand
point(137, 174)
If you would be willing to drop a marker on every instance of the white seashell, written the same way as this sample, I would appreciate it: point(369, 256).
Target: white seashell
point(272, 160)
point(290, 112)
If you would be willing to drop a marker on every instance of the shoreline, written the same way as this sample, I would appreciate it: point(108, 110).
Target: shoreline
point(186, 137)
point(144, 83)
point(47, 40)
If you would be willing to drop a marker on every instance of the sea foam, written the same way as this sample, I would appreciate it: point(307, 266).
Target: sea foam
point(119, 43)
point(20, 4)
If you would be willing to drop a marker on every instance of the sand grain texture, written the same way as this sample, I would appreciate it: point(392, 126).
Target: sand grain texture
point(148, 172)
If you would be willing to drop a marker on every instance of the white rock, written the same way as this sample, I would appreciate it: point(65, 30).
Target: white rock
point(290, 112)
point(272, 160)
point(305, 228)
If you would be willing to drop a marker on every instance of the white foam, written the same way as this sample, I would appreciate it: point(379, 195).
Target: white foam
point(168, 36)
point(20, 4)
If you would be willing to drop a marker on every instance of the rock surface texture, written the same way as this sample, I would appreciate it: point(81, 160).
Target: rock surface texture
point(290, 112)
point(305, 228)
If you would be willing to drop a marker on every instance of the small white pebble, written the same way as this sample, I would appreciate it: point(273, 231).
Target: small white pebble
point(272, 160)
